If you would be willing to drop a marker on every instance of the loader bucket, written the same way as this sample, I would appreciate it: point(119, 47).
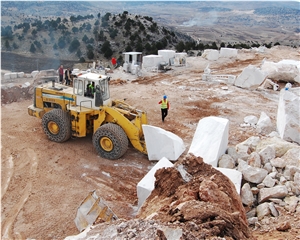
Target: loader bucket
point(91, 210)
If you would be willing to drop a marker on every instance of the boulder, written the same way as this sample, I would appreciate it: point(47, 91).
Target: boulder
point(266, 154)
point(254, 160)
point(252, 174)
point(262, 210)
point(288, 115)
point(279, 191)
point(264, 124)
point(285, 70)
point(226, 161)
point(247, 195)
point(292, 157)
point(281, 146)
point(161, 143)
point(210, 139)
point(250, 78)
point(269, 181)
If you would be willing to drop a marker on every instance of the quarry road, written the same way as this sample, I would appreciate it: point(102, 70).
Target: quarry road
point(43, 182)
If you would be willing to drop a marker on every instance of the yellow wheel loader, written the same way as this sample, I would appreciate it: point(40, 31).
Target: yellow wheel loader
point(86, 108)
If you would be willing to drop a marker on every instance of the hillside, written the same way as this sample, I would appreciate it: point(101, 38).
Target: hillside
point(88, 37)
point(97, 30)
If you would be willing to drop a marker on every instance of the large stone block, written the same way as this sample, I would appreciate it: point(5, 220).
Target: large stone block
point(210, 139)
point(161, 143)
point(151, 61)
point(146, 185)
point(167, 55)
point(34, 73)
point(250, 78)
point(288, 115)
point(228, 53)
point(7, 76)
point(285, 70)
point(211, 54)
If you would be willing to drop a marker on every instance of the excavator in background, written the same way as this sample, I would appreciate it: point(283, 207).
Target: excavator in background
point(86, 108)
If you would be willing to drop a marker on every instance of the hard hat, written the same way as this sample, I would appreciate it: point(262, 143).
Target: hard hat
point(165, 96)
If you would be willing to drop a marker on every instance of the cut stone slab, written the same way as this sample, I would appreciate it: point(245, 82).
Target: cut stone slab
point(210, 139)
point(34, 73)
point(211, 54)
point(7, 76)
point(151, 61)
point(234, 176)
point(250, 78)
point(146, 185)
point(228, 52)
point(288, 115)
point(161, 143)
point(166, 54)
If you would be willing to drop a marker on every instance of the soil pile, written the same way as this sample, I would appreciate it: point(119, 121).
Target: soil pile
point(208, 204)
point(205, 207)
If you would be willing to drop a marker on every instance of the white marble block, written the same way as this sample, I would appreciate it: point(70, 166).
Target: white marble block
point(288, 115)
point(146, 185)
point(210, 139)
point(161, 143)
point(250, 78)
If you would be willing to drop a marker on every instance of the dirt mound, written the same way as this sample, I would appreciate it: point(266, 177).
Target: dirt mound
point(208, 204)
point(15, 94)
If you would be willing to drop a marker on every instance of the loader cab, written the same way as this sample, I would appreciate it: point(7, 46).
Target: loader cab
point(92, 90)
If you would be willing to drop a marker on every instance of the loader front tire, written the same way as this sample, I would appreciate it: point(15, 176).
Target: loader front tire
point(110, 141)
point(57, 125)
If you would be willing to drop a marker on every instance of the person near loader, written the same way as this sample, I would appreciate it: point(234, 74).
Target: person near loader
point(68, 76)
point(61, 73)
point(164, 105)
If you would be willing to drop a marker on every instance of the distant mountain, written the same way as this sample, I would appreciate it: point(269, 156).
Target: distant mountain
point(82, 29)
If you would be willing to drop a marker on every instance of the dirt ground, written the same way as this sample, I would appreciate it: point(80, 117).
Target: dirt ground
point(43, 182)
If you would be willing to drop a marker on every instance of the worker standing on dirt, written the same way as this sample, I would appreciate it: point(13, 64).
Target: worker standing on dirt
point(165, 105)
point(61, 73)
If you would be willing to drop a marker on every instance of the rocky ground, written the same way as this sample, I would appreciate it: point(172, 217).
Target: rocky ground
point(44, 182)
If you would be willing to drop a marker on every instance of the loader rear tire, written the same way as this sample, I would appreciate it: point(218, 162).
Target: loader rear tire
point(110, 141)
point(57, 125)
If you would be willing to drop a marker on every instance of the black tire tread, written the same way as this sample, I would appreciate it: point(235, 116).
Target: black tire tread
point(62, 119)
point(117, 135)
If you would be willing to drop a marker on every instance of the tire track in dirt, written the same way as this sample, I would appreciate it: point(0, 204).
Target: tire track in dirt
point(7, 174)
point(7, 224)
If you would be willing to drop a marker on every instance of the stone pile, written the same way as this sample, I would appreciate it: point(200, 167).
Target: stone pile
point(270, 170)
